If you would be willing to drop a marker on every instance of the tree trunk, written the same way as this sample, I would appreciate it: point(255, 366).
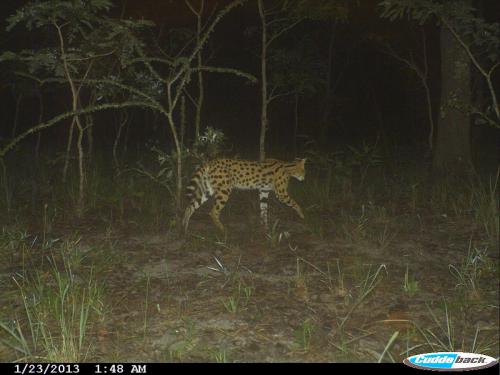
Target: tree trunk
point(452, 148)
point(424, 78)
point(16, 114)
point(327, 109)
point(178, 150)
point(39, 136)
point(81, 170)
point(430, 137)
point(199, 57)
point(68, 150)
point(296, 124)
point(201, 90)
point(123, 120)
point(89, 127)
point(263, 68)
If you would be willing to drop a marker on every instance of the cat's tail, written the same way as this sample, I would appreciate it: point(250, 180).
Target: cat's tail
point(197, 191)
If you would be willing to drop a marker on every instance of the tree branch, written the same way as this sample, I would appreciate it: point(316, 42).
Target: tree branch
point(272, 97)
point(63, 116)
point(478, 66)
point(283, 30)
point(236, 72)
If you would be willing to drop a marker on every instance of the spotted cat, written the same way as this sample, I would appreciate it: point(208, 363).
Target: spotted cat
point(219, 177)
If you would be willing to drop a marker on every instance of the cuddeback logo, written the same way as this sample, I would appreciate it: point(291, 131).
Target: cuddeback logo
point(450, 361)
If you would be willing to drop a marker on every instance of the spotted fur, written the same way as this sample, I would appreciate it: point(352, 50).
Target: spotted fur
point(219, 177)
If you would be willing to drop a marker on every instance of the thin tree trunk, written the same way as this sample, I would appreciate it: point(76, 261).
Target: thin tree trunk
point(424, 79)
point(39, 135)
point(263, 68)
point(430, 139)
point(68, 150)
point(200, 103)
point(452, 148)
point(201, 91)
point(76, 120)
point(125, 139)
point(183, 119)
point(328, 86)
point(37, 148)
point(89, 121)
point(81, 170)
point(5, 184)
point(35, 191)
point(178, 149)
point(117, 138)
point(296, 124)
point(423, 74)
point(16, 115)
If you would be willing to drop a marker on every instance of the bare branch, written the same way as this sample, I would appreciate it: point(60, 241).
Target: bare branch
point(144, 59)
point(408, 62)
point(153, 103)
point(279, 95)
point(87, 71)
point(490, 72)
point(476, 63)
point(236, 72)
point(185, 67)
point(92, 57)
point(198, 12)
point(424, 50)
point(63, 116)
point(190, 97)
point(422, 75)
point(282, 31)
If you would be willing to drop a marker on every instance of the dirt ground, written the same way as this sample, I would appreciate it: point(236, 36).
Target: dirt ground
point(314, 291)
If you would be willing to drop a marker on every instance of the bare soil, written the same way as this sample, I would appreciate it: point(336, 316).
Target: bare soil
point(294, 295)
